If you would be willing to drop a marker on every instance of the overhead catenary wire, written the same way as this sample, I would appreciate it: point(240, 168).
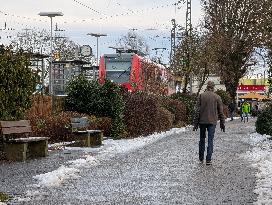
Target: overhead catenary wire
point(100, 15)
point(93, 19)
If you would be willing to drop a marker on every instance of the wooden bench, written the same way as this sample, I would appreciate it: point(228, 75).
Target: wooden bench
point(85, 137)
point(19, 149)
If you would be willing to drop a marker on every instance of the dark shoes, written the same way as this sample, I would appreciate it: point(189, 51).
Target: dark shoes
point(208, 162)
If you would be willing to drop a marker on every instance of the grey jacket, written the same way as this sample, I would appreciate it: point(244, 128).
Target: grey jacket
point(209, 109)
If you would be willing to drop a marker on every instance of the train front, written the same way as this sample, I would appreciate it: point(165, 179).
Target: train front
point(120, 68)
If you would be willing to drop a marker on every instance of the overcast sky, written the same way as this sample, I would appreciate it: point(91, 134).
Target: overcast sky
point(114, 17)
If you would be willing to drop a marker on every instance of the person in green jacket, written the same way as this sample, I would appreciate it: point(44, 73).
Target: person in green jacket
point(245, 111)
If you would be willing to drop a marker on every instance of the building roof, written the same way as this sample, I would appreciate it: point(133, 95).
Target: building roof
point(253, 95)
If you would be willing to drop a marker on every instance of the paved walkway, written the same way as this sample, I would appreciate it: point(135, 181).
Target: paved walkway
point(165, 172)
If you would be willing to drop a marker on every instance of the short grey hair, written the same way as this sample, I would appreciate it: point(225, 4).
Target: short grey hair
point(210, 85)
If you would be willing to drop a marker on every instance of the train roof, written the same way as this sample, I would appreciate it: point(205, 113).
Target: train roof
point(119, 55)
point(128, 56)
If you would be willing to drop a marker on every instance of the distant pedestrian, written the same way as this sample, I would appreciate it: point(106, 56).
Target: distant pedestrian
point(231, 108)
point(245, 111)
point(241, 112)
point(209, 106)
point(255, 110)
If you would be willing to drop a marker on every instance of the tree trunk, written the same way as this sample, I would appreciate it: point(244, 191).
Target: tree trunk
point(231, 88)
point(186, 80)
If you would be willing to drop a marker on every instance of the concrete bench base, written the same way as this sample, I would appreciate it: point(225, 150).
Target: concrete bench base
point(89, 138)
point(24, 148)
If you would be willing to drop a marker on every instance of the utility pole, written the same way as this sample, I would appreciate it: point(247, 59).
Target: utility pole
point(58, 53)
point(188, 37)
point(173, 39)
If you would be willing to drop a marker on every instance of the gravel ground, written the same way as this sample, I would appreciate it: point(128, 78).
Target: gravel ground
point(165, 172)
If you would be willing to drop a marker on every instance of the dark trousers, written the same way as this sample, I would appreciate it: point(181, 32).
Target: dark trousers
point(210, 129)
point(231, 113)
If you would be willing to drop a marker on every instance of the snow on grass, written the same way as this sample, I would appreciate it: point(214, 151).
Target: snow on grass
point(113, 147)
point(261, 158)
point(89, 161)
point(58, 146)
point(56, 177)
point(70, 171)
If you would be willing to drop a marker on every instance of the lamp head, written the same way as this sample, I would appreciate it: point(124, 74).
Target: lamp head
point(97, 34)
point(51, 14)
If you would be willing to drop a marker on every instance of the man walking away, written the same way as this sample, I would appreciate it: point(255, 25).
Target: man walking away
point(245, 110)
point(208, 108)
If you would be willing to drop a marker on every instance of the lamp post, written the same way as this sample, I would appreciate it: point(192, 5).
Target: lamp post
point(97, 35)
point(51, 15)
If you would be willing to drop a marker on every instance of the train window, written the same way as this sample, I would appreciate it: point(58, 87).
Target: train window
point(112, 64)
point(118, 76)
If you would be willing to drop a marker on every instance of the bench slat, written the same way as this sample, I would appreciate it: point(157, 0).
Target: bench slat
point(26, 140)
point(20, 123)
point(15, 130)
point(78, 125)
point(94, 131)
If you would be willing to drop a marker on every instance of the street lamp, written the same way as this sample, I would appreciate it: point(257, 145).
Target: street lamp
point(51, 15)
point(97, 35)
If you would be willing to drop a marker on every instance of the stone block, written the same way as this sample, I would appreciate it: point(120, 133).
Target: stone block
point(96, 138)
point(38, 149)
point(16, 151)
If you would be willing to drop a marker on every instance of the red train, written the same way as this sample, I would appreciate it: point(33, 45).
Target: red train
point(136, 73)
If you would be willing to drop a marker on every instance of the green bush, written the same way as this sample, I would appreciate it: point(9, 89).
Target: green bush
point(226, 99)
point(144, 115)
point(92, 98)
point(83, 96)
point(17, 83)
point(3, 197)
point(189, 101)
point(264, 121)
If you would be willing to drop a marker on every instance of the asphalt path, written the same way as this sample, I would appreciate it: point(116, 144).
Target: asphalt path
point(164, 172)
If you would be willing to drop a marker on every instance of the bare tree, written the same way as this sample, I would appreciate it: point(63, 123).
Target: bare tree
point(236, 29)
point(133, 41)
point(38, 41)
point(203, 61)
point(267, 36)
point(200, 65)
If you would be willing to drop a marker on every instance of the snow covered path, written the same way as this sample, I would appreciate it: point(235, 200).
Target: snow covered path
point(161, 171)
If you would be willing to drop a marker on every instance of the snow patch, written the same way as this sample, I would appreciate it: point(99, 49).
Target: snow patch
point(89, 161)
point(261, 158)
point(56, 177)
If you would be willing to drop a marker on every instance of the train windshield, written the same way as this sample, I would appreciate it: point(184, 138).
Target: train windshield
point(117, 70)
point(118, 76)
